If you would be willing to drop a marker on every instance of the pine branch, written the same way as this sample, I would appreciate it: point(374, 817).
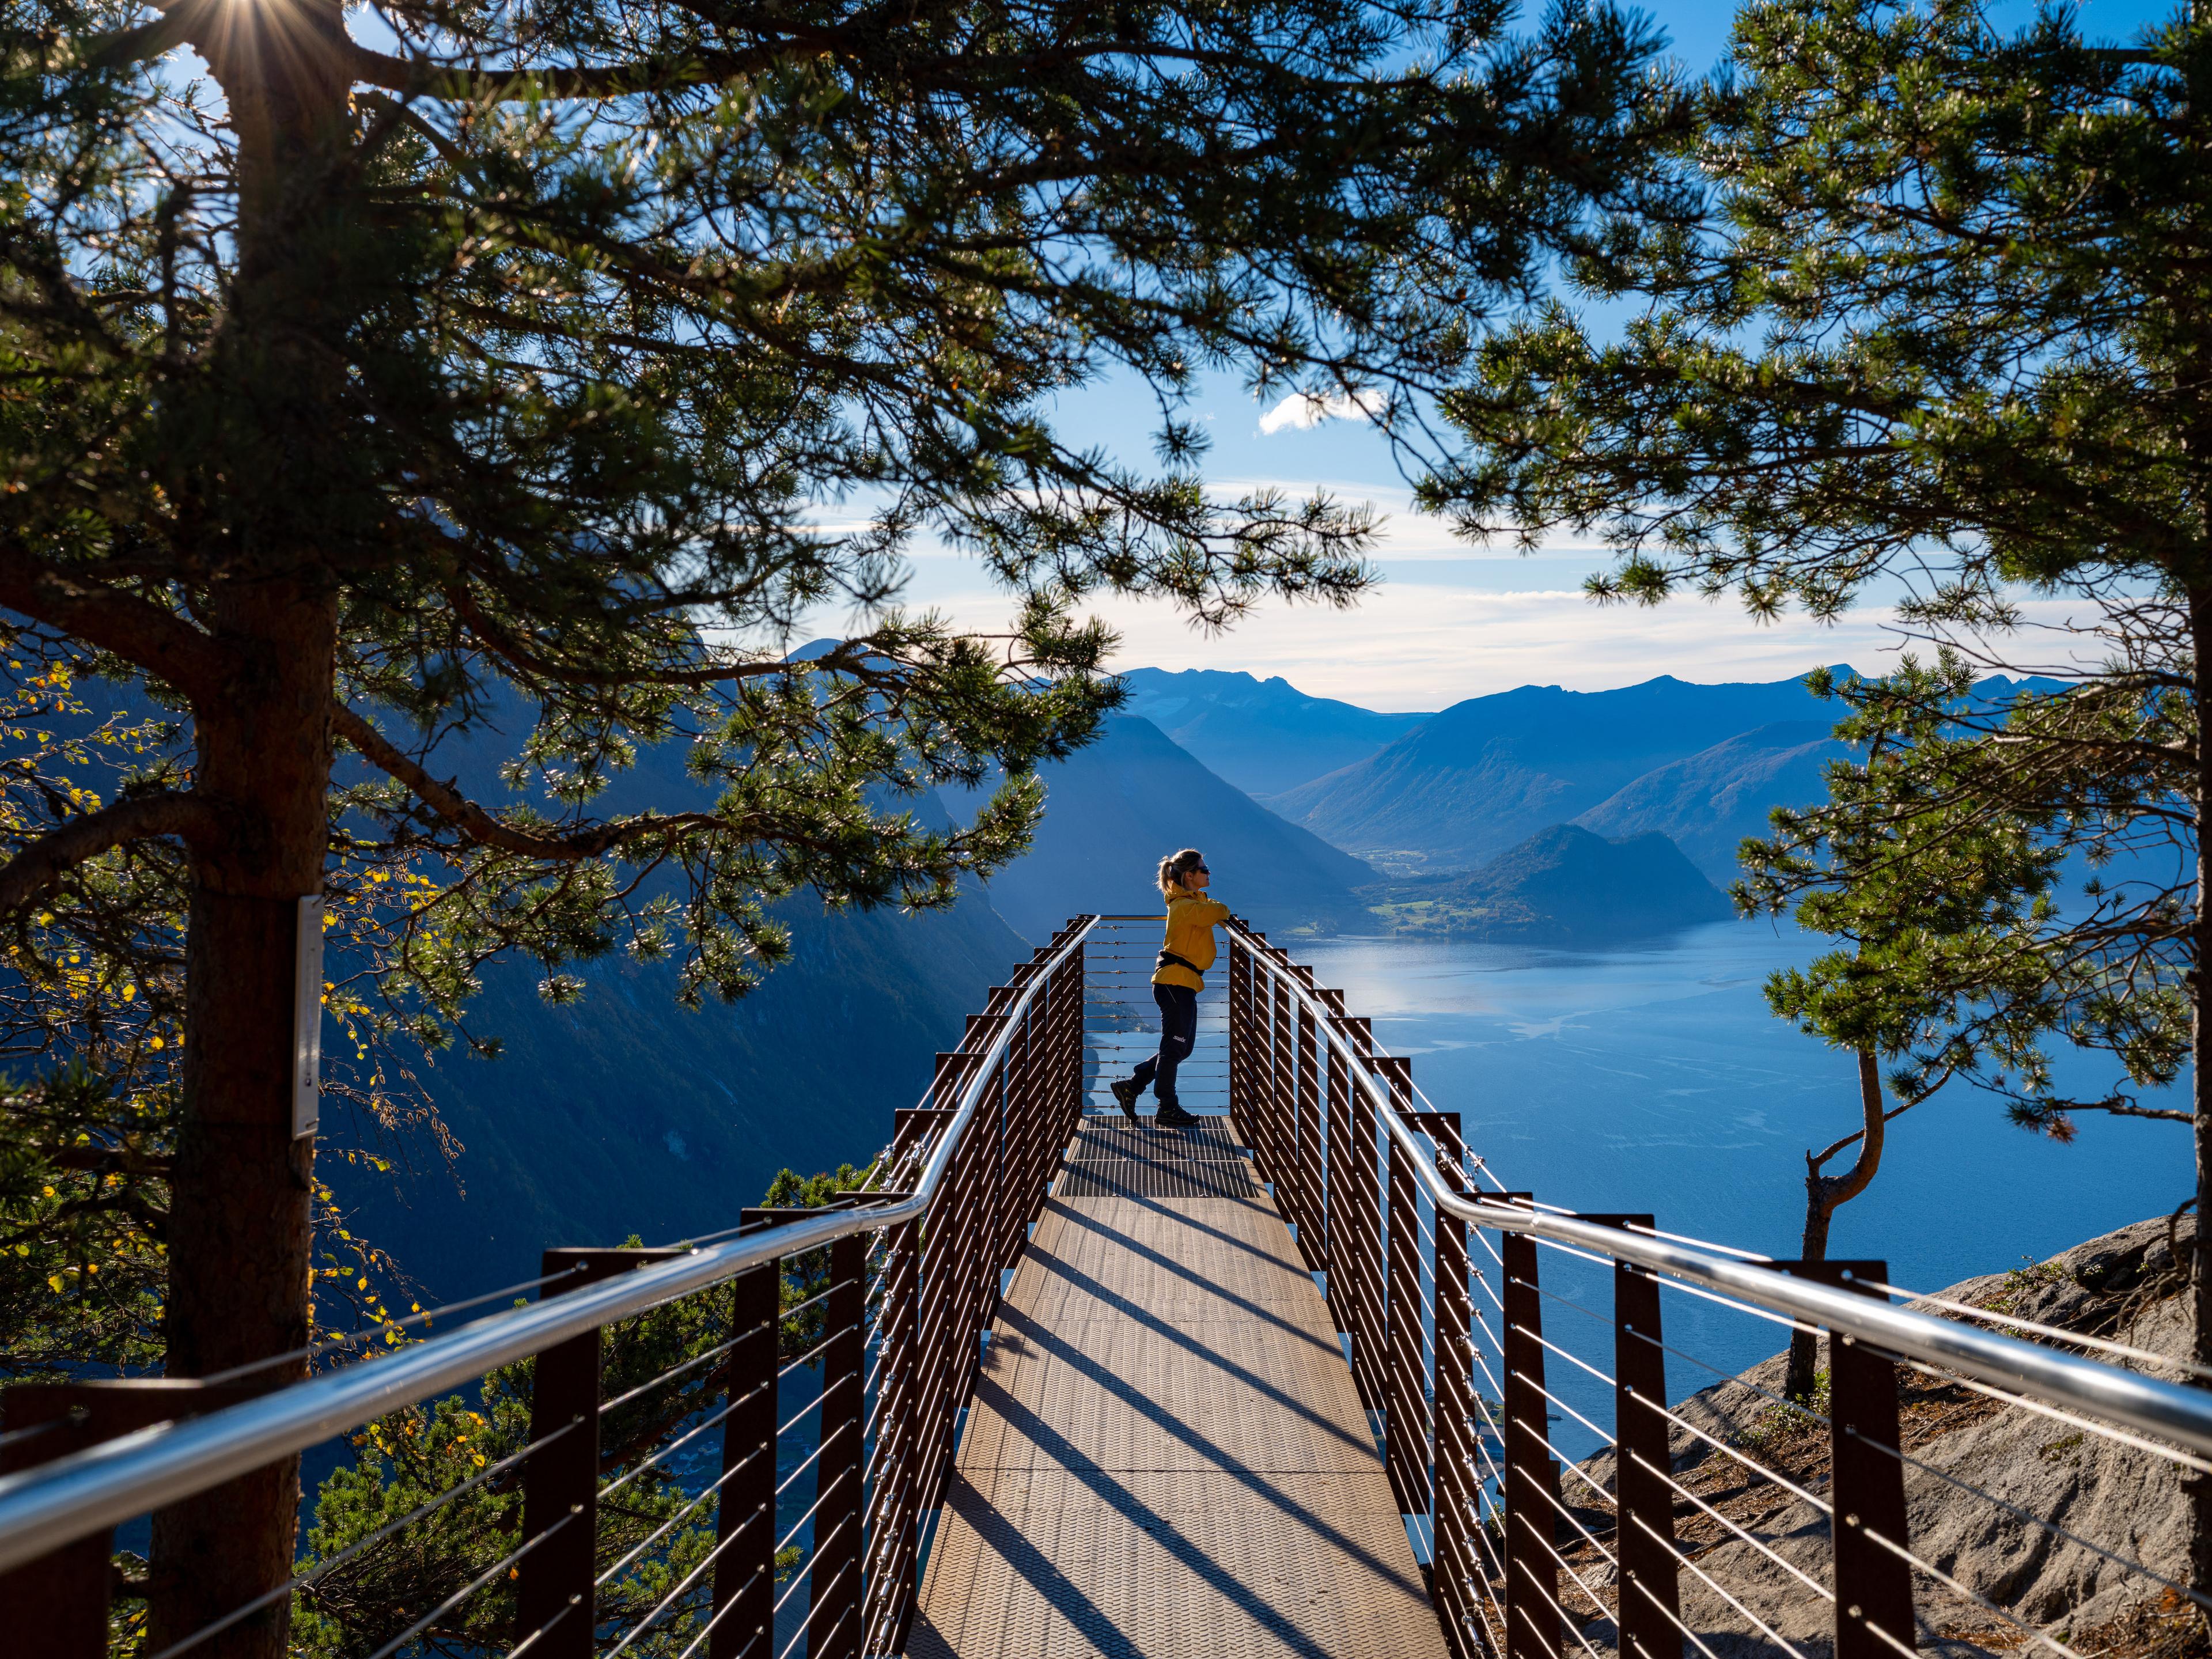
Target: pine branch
point(139, 817)
point(155, 639)
point(479, 826)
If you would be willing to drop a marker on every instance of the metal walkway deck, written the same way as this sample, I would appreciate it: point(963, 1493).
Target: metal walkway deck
point(1164, 1455)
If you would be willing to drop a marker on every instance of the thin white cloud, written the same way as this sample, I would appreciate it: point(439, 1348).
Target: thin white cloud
point(1302, 409)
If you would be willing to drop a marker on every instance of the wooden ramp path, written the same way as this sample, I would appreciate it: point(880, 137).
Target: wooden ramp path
point(1164, 1455)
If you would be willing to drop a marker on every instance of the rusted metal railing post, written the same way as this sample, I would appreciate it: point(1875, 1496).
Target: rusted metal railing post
point(1336, 1195)
point(1364, 1261)
point(744, 1521)
point(56, 1607)
point(1232, 1018)
point(833, 1624)
point(1259, 1049)
point(1649, 1587)
point(1313, 1156)
point(1405, 1404)
point(555, 1598)
point(1282, 1104)
point(893, 1513)
point(1533, 1625)
point(1874, 1584)
point(1456, 1456)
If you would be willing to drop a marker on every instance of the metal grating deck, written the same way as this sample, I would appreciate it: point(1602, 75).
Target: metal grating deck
point(1164, 1455)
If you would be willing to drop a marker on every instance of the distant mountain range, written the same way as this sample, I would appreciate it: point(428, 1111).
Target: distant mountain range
point(1562, 886)
point(1114, 810)
point(1486, 773)
point(1264, 736)
point(1539, 815)
point(1707, 803)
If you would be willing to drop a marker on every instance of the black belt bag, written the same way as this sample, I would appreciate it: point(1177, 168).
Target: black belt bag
point(1170, 959)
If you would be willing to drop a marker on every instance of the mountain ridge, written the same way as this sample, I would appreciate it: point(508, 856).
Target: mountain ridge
point(1482, 776)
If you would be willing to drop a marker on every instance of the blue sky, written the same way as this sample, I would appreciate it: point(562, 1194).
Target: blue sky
point(1448, 620)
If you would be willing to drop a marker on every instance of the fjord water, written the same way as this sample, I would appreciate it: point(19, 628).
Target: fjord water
point(1654, 1079)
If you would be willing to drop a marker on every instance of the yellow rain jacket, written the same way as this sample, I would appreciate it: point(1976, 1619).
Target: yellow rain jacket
point(1191, 918)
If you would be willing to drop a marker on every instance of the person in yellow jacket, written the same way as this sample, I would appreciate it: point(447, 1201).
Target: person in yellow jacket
point(1179, 975)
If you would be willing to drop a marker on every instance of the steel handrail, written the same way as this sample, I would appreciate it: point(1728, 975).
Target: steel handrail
point(56, 1504)
point(2145, 1403)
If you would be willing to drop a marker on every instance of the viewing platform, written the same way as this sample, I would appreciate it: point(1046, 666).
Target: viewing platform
point(1165, 1453)
point(1305, 1378)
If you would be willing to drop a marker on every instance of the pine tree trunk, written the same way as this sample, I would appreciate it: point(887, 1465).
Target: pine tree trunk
point(239, 1225)
point(2200, 1487)
point(1824, 1196)
point(1804, 1345)
point(240, 1229)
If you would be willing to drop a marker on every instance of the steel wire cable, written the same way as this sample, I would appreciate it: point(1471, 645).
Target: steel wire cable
point(1497, 1386)
point(1949, 1583)
point(471, 1588)
point(1571, 1360)
point(1576, 1250)
point(829, 1637)
point(1669, 1284)
point(808, 1462)
point(820, 1498)
point(678, 1369)
point(802, 1633)
point(737, 1599)
point(1573, 1624)
point(2088, 1424)
point(1566, 1462)
point(674, 1446)
point(1672, 1618)
point(308, 1580)
point(331, 1344)
point(1713, 1584)
point(1654, 1232)
point(2010, 1322)
point(2050, 1527)
point(15, 1436)
point(652, 1616)
point(808, 1356)
point(1557, 1502)
point(1701, 1243)
point(1737, 1377)
point(1817, 1589)
point(1759, 1470)
point(669, 1525)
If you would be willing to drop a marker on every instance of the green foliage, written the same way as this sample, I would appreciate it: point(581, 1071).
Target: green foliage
point(500, 400)
point(81, 1203)
point(1935, 334)
point(805, 1278)
point(1938, 858)
point(578, 384)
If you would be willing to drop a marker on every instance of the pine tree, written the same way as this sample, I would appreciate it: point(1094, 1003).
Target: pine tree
point(364, 378)
point(1941, 334)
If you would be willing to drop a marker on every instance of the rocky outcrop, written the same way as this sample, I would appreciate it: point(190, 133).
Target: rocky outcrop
point(1977, 1470)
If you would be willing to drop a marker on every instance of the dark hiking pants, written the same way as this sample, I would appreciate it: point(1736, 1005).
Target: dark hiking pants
point(1178, 1035)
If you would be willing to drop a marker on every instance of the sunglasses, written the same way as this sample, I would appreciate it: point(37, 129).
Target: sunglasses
point(1198, 870)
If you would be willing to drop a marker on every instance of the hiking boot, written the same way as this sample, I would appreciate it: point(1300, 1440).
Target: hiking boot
point(1125, 1096)
point(1172, 1116)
